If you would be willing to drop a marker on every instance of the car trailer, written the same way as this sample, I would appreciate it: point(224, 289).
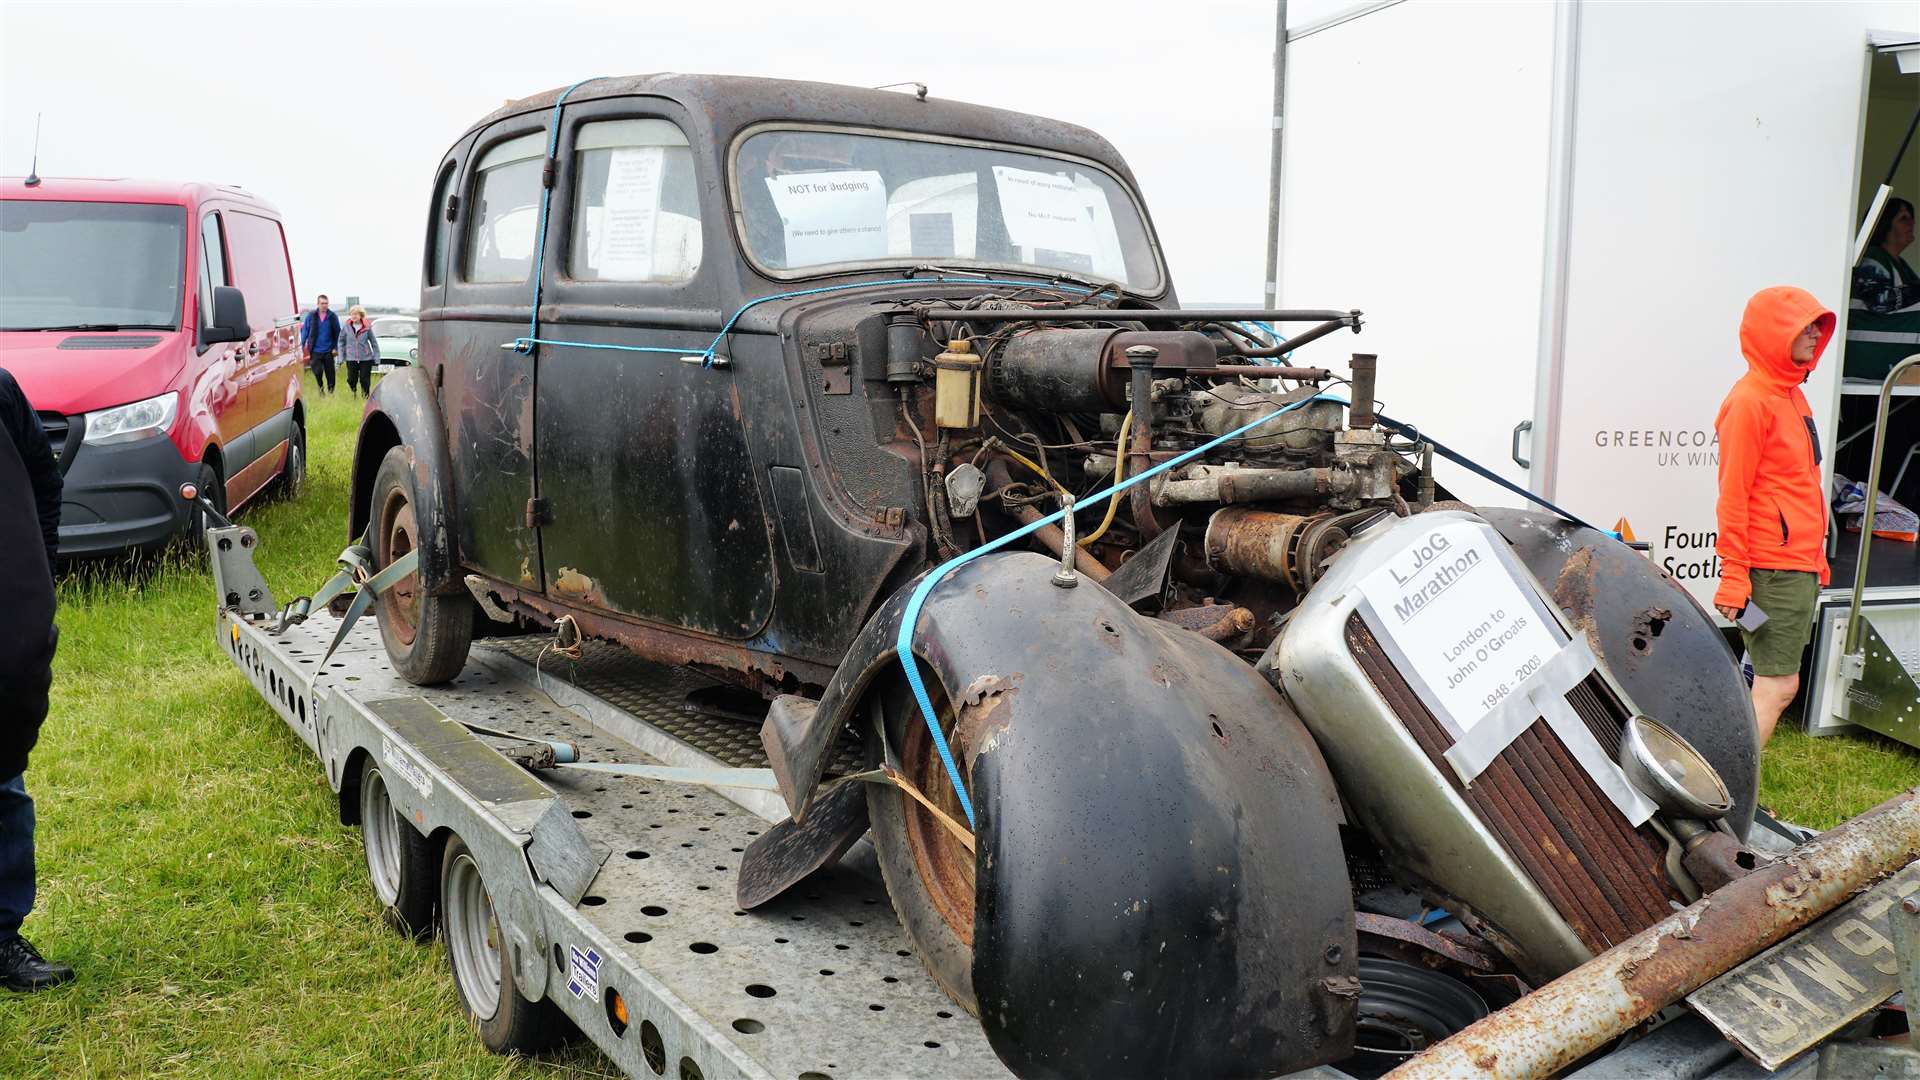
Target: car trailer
point(612, 897)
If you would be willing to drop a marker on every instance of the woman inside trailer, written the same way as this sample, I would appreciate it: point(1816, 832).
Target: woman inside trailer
point(1883, 326)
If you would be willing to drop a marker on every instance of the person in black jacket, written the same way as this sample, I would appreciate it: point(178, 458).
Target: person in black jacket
point(29, 504)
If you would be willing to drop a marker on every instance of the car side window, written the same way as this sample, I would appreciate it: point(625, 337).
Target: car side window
point(636, 207)
point(504, 221)
point(437, 225)
point(213, 265)
point(260, 267)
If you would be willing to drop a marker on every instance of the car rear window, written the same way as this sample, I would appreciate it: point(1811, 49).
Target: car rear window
point(506, 210)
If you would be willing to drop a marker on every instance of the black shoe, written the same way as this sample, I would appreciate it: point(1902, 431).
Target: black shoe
point(23, 970)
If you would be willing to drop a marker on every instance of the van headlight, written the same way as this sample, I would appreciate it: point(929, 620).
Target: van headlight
point(125, 423)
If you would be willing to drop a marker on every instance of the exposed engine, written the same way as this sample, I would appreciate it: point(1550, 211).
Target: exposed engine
point(1029, 405)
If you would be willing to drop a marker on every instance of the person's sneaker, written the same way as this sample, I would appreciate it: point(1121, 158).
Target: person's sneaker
point(23, 970)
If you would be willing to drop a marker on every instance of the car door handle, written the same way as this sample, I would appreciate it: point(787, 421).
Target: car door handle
point(1520, 429)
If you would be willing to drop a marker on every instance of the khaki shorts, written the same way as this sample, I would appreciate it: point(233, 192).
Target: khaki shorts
point(1787, 596)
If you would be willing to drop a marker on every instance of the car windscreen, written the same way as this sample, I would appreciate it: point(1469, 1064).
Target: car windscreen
point(91, 265)
point(815, 197)
point(396, 328)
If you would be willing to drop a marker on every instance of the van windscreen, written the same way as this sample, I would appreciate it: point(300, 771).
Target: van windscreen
point(91, 265)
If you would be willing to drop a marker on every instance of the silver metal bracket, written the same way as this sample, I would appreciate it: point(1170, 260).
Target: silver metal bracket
point(236, 581)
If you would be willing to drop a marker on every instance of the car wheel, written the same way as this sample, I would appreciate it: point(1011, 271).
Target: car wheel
point(482, 963)
point(928, 872)
point(293, 475)
point(400, 862)
point(426, 636)
point(212, 489)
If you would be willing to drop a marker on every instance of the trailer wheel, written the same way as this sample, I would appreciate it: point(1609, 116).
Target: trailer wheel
point(400, 861)
point(483, 966)
point(929, 874)
point(426, 636)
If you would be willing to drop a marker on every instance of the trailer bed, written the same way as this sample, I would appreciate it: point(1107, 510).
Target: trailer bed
point(821, 982)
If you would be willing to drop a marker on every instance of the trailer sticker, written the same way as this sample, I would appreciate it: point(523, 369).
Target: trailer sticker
point(402, 766)
point(584, 970)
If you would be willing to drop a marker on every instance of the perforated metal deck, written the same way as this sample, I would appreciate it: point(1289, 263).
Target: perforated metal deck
point(821, 983)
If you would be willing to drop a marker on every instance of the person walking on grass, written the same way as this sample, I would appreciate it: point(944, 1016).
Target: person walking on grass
point(1772, 507)
point(319, 337)
point(29, 535)
point(359, 350)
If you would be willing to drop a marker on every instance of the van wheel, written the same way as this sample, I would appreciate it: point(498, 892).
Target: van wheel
point(293, 475)
point(928, 872)
point(426, 636)
point(482, 963)
point(400, 862)
point(214, 490)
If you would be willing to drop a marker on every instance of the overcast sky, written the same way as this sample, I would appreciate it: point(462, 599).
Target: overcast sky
point(337, 113)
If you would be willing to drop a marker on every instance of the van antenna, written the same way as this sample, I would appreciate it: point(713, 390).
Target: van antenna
point(33, 171)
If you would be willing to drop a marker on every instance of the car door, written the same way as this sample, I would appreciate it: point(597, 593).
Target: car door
point(221, 385)
point(270, 362)
point(485, 388)
point(645, 479)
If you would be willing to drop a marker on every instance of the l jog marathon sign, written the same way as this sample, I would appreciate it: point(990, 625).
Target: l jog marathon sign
point(1461, 621)
point(1483, 653)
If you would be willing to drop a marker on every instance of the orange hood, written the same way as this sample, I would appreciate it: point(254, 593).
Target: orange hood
point(1774, 317)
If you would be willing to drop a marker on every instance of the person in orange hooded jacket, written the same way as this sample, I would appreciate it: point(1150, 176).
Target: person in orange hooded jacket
point(1773, 506)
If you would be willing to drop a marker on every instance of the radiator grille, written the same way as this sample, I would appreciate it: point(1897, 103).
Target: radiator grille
point(1605, 878)
point(59, 431)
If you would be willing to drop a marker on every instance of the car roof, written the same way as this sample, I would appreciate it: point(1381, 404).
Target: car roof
point(120, 189)
point(729, 103)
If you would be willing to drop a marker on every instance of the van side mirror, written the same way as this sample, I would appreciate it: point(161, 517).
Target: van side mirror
point(229, 317)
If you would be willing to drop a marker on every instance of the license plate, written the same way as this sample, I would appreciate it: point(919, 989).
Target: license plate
point(1787, 999)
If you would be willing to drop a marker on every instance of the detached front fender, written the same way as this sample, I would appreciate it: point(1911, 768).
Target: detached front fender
point(1160, 884)
point(403, 411)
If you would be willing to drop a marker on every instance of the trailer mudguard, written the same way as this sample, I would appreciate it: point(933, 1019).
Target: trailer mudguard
point(1160, 886)
point(1653, 636)
point(403, 411)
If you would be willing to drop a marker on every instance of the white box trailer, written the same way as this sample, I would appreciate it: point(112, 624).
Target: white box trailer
point(1554, 214)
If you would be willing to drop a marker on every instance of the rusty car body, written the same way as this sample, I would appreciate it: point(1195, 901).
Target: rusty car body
point(725, 370)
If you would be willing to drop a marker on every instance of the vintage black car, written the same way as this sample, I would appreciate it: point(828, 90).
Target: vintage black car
point(738, 373)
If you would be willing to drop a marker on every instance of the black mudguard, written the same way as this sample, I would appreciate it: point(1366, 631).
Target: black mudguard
point(1656, 639)
point(403, 410)
point(1160, 884)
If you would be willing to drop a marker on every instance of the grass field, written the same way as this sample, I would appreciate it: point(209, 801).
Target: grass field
point(193, 869)
point(192, 864)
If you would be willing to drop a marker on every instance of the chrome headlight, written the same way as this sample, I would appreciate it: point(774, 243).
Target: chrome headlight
point(413, 353)
point(125, 423)
point(1667, 769)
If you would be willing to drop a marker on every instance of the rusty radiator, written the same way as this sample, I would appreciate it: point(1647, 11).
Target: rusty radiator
point(1604, 877)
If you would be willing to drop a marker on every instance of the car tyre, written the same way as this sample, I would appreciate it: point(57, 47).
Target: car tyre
point(932, 905)
point(214, 490)
point(482, 963)
point(400, 861)
point(427, 636)
point(293, 475)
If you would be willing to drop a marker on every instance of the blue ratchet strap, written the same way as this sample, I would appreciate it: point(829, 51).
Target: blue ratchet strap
point(548, 169)
point(711, 352)
point(903, 643)
point(1413, 433)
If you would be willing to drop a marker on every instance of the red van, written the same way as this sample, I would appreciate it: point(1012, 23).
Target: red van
point(154, 328)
